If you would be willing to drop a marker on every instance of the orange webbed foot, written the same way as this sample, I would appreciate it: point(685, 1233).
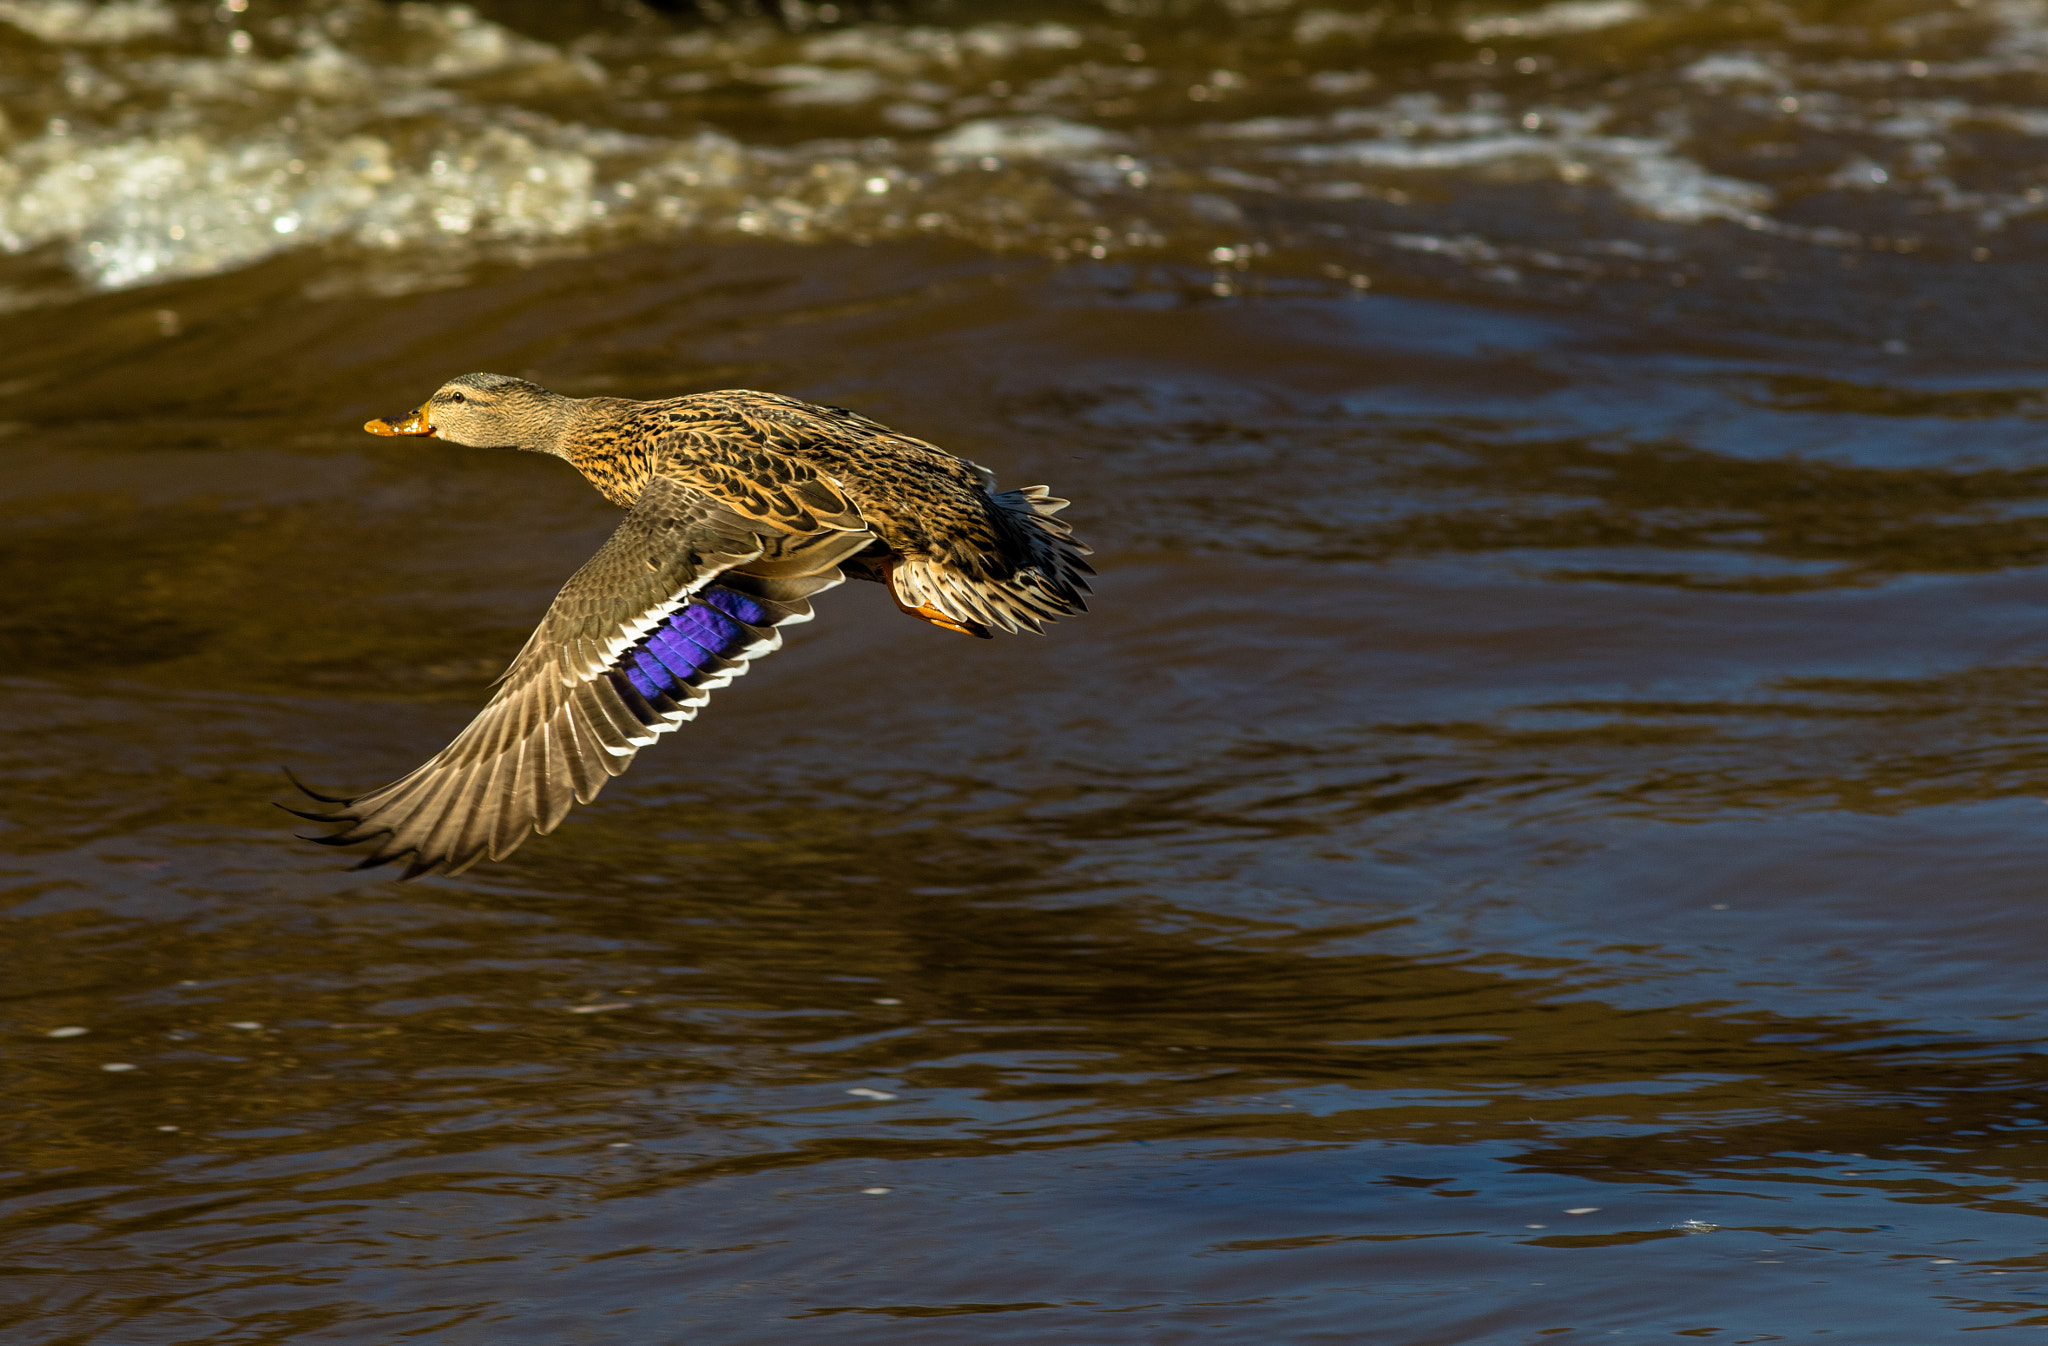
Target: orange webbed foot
point(932, 615)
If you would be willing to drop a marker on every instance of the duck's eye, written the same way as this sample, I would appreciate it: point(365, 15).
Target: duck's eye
point(457, 397)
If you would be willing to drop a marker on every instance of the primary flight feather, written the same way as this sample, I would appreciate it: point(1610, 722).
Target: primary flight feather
point(740, 507)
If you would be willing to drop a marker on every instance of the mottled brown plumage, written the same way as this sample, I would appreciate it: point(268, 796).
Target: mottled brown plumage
point(741, 506)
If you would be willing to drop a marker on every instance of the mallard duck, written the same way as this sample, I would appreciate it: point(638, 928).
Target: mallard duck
point(741, 507)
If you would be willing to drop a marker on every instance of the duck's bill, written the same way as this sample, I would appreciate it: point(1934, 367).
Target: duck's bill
point(415, 424)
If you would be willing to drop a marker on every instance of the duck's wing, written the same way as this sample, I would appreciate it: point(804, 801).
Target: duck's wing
point(632, 646)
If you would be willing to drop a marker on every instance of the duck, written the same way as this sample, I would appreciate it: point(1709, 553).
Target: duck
point(741, 507)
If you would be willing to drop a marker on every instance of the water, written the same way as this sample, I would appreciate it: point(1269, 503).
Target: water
point(1540, 837)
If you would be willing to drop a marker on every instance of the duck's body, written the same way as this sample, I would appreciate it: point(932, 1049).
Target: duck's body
point(741, 505)
point(950, 547)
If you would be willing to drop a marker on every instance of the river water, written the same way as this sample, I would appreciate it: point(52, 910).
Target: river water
point(1541, 837)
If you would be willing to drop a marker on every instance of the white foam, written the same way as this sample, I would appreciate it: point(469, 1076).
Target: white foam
point(81, 22)
point(1024, 138)
point(463, 45)
point(1859, 175)
point(1342, 83)
point(1647, 173)
point(1666, 185)
point(811, 84)
point(903, 50)
point(2023, 27)
point(1431, 155)
point(1567, 16)
point(1320, 25)
point(158, 208)
point(394, 127)
point(1413, 115)
point(361, 126)
point(1733, 69)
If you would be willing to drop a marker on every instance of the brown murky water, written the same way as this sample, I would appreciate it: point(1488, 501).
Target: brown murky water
point(1541, 837)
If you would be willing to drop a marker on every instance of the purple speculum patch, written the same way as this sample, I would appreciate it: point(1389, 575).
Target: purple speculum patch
point(686, 643)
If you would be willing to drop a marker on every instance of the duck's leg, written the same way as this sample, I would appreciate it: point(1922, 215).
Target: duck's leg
point(932, 615)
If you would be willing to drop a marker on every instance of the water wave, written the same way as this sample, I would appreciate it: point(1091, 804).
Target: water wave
point(142, 141)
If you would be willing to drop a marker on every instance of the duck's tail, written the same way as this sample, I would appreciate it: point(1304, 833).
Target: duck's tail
point(1046, 580)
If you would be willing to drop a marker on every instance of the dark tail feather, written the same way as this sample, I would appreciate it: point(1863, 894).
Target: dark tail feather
point(313, 817)
point(308, 792)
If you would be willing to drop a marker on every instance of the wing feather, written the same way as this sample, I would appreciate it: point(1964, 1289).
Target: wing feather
point(564, 721)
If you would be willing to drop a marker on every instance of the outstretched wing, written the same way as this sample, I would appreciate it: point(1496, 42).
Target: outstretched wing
point(633, 644)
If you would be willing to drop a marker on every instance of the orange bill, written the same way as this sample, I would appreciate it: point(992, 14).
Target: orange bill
point(415, 424)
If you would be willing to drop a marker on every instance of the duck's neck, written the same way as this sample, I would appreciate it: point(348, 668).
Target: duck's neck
point(591, 432)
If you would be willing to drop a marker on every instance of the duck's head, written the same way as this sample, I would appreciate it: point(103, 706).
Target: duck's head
point(485, 411)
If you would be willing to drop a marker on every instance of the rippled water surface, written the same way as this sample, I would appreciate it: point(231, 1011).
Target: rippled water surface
point(1541, 837)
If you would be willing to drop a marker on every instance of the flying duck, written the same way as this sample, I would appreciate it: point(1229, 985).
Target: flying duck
point(740, 507)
